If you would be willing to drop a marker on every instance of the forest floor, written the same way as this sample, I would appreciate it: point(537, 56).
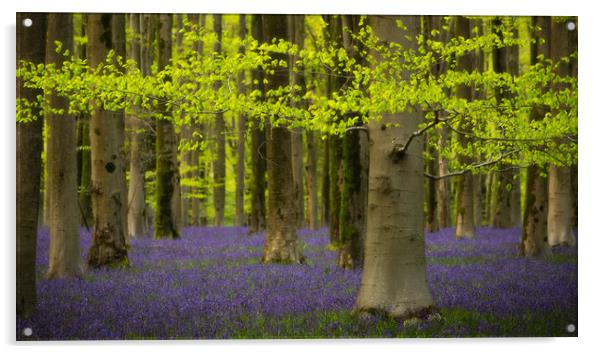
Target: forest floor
point(211, 284)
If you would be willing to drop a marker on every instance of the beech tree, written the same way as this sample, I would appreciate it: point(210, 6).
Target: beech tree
point(559, 189)
point(219, 165)
point(64, 256)
point(168, 180)
point(394, 273)
point(281, 244)
point(258, 144)
point(31, 46)
point(109, 200)
point(136, 190)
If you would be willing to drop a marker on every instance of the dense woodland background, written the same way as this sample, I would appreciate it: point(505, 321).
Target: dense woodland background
point(378, 128)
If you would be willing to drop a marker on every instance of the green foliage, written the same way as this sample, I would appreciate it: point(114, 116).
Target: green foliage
point(389, 79)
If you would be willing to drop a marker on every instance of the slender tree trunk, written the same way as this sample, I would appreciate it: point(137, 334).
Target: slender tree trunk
point(354, 183)
point(242, 127)
point(394, 274)
point(560, 204)
point(166, 223)
point(136, 193)
point(464, 209)
point(326, 183)
point(296, 31)
point(281, 239)
point(109, 200)
point(311, 176)
point(31, 46)
point(443, 195)
point(336, 143)
point(64, 256)
point(534, 238)
point(258, 146)
point(504, 61)
point(219, 166)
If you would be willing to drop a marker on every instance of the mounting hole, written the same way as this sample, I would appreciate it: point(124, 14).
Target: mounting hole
point(27, 331)
point(570, 328)
point(27, 22)
point(571, 26)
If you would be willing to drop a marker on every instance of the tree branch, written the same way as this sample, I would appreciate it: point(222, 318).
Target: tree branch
point(463, 172)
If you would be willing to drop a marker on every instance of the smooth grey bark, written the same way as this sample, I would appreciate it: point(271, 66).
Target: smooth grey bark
point(107, 132)
point(394, 273)
point(31, 46)
point(281, 244)
point(219, 165)
point(64, 256)
point(560, 202)
point(136, 190)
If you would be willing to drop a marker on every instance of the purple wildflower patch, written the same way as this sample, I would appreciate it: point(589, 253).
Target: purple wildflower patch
point(211, 284)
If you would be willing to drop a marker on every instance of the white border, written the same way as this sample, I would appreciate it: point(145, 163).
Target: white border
point(589, 149)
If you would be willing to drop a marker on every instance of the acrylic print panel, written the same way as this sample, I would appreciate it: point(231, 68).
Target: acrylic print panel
point(206, 176)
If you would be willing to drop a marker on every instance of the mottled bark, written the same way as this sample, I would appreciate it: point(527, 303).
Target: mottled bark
point(281, 240)
point(107, 132)
point(560, 210)
point(136, 192)
point(534, 231)
point(31, 46)
point(168, 181)
point(394, 274)
point(258, 147)
point(64, 256)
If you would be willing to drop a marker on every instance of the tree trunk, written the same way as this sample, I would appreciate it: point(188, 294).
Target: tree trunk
point(64, 256)
point(464, 209)
point(443, 195)
point(296, 32)
point(281, 239)
point(109, 200)
point(394, 275)
point(258, 146)
point(560, 203)
point(335, 149)
point(326, 184)
point(353, 205)
point(219, 165)
point(505, 60)
point(311, 176)
point(533, 238)
point(242, 127)
point(166, 220)
point(31, 46)
point(560, 207)
point(136, 193)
